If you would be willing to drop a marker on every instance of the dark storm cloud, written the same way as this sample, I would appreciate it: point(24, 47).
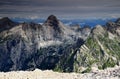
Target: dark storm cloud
point(61, 8)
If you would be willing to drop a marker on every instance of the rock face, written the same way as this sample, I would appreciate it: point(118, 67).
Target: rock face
point(26, 46)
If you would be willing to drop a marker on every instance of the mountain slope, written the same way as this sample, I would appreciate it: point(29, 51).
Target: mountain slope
point(27, 46)
point(53, 45)
point(101, 49)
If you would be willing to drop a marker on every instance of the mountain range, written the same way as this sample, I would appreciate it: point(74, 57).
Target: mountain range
point(70, 22)
point(53, 45)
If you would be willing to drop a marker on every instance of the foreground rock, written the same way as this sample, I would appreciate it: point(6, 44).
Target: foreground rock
point(109, 73)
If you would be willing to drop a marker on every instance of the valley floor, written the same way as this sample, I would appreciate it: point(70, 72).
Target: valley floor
point(109, 73)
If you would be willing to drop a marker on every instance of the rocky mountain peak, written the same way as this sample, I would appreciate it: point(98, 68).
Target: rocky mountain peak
point(86, 28)
point(52, 17)
point(85, 31)
point(113, 27)
point(5, 20)
point(118, 21)
point(6, 23)
point(98, 30)
point(52, 21)
point(54, 26)
point(111, 24)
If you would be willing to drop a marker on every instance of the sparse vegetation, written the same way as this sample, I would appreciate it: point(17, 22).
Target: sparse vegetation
point(87, 70)
point(109, 63)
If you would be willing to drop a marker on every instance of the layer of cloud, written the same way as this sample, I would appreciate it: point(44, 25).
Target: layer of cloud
point(61, 8)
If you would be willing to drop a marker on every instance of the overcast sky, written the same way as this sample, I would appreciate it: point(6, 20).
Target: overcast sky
point(60, 8)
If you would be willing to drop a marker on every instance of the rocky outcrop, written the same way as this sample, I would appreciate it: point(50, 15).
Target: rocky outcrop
point(110, 73)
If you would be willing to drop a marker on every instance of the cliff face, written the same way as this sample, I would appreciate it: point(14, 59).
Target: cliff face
point(27, 46)
point(53, 45)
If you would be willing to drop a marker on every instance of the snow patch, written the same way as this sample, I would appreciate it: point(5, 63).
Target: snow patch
point(48, 43)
